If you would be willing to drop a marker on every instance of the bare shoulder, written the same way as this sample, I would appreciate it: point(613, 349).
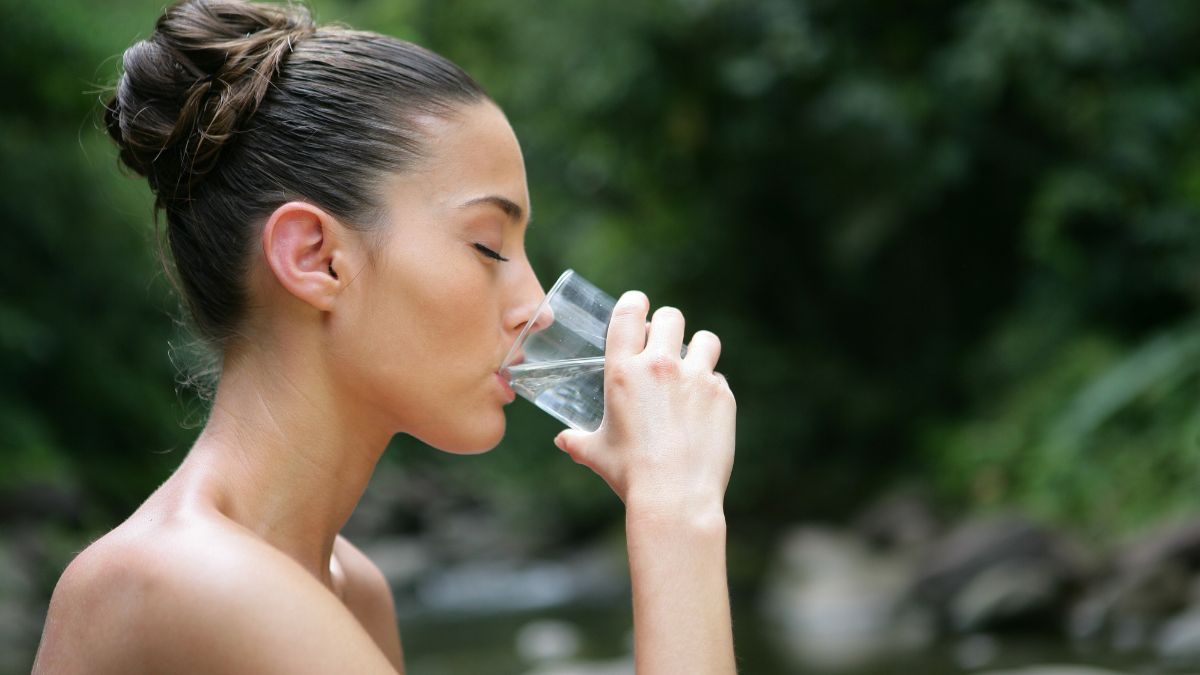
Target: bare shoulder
point(369, 596)
point(197, 597)
point(363, 577)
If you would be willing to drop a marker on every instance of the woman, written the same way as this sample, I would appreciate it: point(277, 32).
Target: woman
point(346, 216)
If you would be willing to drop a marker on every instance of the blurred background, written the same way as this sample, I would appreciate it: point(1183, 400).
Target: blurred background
point(952, 248)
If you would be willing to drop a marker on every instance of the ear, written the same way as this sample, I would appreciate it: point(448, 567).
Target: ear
point(306, 250)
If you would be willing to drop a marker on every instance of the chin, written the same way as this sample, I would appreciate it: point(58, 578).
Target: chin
point(471, 437)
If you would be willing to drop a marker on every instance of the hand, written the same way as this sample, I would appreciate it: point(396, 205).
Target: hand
point(667, 437)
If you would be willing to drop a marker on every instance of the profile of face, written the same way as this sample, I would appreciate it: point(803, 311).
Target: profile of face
point(421, 331)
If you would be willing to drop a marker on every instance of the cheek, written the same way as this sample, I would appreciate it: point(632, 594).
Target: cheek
point(416, 295)
point(418, 340)
point(444, 311)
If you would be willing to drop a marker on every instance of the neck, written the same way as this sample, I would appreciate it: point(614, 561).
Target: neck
point(283, 454)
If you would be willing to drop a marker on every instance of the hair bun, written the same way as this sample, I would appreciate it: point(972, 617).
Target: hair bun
point(187, 89)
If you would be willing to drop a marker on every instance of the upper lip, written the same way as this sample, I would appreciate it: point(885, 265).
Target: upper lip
point(520, 359)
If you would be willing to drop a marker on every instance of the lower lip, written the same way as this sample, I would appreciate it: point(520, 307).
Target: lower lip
point(508, 390)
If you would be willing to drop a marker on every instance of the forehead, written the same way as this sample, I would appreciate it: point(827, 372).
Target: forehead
point(469, 154)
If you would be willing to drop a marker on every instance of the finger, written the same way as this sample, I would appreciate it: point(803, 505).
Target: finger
point(704, 350)
point(626, 332)
point(666, 331)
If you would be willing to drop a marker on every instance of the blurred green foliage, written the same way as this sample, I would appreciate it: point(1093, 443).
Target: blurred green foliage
point(950, 243)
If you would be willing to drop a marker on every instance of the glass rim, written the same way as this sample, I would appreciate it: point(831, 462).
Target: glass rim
point(554, 289)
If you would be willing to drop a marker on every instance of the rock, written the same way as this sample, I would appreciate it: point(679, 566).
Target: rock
point(1003, 591)
point(1177, 542)
point(838, 605)
point(548, 640)
point(1055, 670)
point(35, 503)
point(976, 651)
point(21, 614)
point(1153, 578)
point(402, 560)
point(1179, 638)
point(497, 587)
point(900, 521)
point(396, 502)
point(16, 581)
point(20, 626)
point(997, 572)
point(1126, 606)
point(472, 534)
point(512, 585)
point(622, 666)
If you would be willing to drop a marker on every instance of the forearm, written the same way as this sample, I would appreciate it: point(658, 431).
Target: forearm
point(680, 593)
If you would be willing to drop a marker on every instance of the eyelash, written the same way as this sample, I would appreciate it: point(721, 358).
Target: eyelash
point(490, 253)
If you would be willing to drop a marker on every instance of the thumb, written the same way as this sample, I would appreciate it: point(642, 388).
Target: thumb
point(574, 443)
point(583, 447)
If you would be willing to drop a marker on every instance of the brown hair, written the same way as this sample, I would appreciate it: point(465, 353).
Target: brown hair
point(233, 108)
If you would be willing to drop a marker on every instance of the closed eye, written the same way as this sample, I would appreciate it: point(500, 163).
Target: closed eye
point(490, 253)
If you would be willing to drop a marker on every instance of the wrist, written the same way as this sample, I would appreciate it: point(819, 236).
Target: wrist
point(675, 516)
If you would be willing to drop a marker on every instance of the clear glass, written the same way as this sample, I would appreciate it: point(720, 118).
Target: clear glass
point(557, 362)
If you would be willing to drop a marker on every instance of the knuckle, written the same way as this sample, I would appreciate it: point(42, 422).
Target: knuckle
point(618, 374)
point(662, 366)
point(723, 384)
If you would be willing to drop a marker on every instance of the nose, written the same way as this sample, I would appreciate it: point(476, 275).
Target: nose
point(529, 296)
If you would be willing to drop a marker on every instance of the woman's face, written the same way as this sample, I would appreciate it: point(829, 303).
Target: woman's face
point(423, 329)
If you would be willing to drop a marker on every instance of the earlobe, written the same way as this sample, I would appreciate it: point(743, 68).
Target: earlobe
point(300, 243)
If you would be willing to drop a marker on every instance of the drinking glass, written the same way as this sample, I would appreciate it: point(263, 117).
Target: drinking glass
point(557, 362)
point(559, 365)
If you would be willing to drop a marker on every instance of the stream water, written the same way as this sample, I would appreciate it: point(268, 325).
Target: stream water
point(486, 645)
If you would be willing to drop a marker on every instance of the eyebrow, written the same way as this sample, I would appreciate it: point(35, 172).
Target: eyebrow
point(508, 206)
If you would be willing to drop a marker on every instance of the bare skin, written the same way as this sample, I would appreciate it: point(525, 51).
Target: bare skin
point(235, 563)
